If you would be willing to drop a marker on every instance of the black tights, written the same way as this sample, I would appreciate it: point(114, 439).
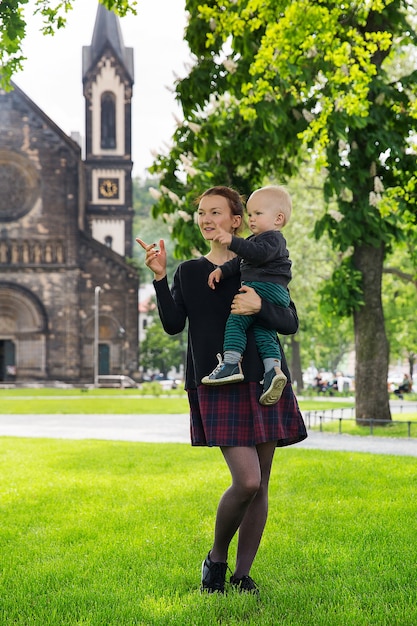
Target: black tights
point(244, 505)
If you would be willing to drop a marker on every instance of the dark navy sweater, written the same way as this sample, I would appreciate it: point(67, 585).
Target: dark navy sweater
point(263, 258)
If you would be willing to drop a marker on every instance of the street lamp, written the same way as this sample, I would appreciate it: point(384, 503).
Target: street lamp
point(121, 334)
point(96, 337)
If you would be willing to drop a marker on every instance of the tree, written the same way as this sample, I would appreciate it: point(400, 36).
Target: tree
point(400, 305)
point(150, 228)
point(160, 351)
point(320, 341)
point(13, 27)
point(276, 80)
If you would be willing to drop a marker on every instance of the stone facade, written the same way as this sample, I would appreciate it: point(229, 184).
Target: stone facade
point(50, 263)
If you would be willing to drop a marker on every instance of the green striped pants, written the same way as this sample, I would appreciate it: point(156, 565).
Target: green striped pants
point(266, 340)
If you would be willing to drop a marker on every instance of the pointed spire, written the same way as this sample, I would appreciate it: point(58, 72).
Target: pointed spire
point(107, 32)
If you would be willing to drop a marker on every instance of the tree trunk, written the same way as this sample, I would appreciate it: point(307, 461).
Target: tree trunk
point(296, 372)
point(371, 345)
point(411, 361)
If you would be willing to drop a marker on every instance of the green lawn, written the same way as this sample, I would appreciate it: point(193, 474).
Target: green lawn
point(112, 533)
point(109, 401)
point(403, 425)
point(127, 401)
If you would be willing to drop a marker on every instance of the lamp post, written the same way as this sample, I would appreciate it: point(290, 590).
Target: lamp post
point(96, 337)
point(121, 334)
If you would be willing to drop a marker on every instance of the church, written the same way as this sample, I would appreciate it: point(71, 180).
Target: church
point(68, 294)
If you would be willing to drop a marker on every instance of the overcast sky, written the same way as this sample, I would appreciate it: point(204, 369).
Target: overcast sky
point(52, 72)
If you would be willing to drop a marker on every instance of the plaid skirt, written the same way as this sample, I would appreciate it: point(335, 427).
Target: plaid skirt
point(230, 415)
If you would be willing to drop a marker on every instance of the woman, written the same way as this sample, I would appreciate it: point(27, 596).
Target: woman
point(405, 387)
point(228, 416)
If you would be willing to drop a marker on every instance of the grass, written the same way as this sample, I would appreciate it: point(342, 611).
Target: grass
point(112, 533)
point(110, 401)
point(403, 425)
point(51, 401)
point(96, 401)
point(129, 401)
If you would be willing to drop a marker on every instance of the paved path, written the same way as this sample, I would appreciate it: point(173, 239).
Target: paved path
point(173, 429)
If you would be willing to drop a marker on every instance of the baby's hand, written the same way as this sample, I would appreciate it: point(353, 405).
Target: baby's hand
point(215, 277)
point(222, 236)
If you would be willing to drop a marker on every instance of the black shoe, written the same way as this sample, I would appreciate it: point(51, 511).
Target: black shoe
point(274, 383)
point(246, 584)
point(213, 576)
point(224, 373)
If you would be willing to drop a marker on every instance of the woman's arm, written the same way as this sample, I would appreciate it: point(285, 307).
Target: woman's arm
point(170, 305)
point(272, 316)
point(282, 319)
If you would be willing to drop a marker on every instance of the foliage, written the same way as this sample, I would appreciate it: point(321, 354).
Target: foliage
point(13, 27)
point(159, 351)
point(400, 305)
point(278, 80)
point(149, 228)
point(142, 199)
point(324, 341)
point(343, 295)
point(272, 78)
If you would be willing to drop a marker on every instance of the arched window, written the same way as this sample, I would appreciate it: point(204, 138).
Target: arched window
point(108, 120)
point(108, 240)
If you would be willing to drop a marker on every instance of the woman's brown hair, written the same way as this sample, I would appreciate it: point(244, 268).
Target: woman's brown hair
point(233, 197)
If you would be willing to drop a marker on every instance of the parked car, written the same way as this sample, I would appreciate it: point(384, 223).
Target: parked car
point(168, 383)
point(116, 381)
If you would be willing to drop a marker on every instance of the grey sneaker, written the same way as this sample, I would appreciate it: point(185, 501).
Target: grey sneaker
point(224, 373)
point(273, 386)
point(213, 576)
point(246, 584)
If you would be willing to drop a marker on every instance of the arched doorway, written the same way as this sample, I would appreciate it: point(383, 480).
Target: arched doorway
point(103, 359)
point(22, 334)
point(7, 360)
point(111, 346)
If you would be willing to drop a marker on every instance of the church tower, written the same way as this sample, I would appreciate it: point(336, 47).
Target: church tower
point(68, 296)
point(107, 83)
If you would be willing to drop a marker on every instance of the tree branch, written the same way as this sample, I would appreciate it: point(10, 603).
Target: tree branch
point(407, 278)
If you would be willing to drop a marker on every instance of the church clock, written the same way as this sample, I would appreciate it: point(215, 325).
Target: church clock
point(108, 188)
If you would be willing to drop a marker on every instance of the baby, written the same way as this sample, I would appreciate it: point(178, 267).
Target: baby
point(263, 262)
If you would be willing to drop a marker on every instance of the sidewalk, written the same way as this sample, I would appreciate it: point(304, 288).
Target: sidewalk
point(173, 429)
